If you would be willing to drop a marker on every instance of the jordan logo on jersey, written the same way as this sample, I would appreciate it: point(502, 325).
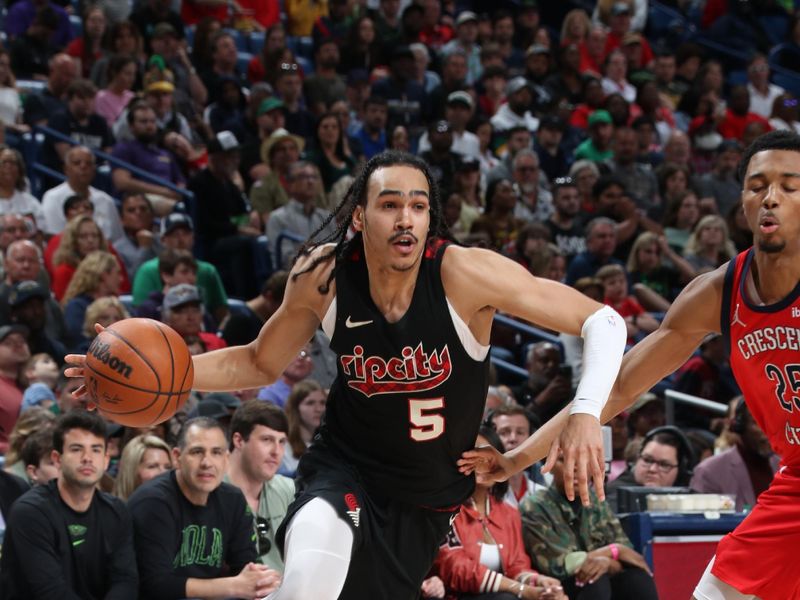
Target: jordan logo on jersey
point(415, 371)
point(736, 320)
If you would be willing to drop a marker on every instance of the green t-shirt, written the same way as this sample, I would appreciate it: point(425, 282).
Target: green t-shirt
point(587, 150)
point(148, 280)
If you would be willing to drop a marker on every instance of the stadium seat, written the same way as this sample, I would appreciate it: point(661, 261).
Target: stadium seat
point(257, 40)
point(77, 25)
point(243, 59)
point(240, 39)
point(127, 302)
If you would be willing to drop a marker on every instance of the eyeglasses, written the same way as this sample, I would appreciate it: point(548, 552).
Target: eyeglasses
point(262, 535)
point(289, 67)
point(662, 465)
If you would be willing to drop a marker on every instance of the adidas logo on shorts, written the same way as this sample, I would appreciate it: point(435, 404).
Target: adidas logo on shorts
point(353, 509)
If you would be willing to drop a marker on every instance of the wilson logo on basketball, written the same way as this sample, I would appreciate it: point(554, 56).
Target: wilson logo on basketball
point(102, 353)
point(415, 371)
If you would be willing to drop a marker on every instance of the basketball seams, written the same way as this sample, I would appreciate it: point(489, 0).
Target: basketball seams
point(165, 405)
point(141, 409)
point(139, 354)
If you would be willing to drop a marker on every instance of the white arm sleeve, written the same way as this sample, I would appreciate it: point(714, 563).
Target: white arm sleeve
point(604, 336)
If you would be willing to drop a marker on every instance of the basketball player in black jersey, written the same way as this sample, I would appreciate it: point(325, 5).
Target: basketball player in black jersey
point(409, 317)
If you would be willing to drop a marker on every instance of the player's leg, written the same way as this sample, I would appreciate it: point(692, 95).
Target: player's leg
point(712, 587)
point(317, 553)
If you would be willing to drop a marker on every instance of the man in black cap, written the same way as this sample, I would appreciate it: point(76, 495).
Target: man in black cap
point(442, 161)
point(552, 158)
point(177, 233)
point(27, 303)
point(457, 112)
point(227, 227)
point(405, 96)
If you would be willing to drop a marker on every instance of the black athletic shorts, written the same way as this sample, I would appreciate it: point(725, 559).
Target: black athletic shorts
point(394, 543)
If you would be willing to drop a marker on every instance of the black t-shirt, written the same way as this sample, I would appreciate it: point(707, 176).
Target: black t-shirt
point(52, 551)
point(94, 134)
point(176, 540)
point(408, 398)
point(570, 241)
point(39, 107)
point(218, 203)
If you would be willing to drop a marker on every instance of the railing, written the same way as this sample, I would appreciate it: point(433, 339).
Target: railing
point(530, 330)
point(671, 397)
point(140, 173)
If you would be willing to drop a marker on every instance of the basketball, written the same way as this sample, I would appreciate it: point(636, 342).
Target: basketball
point(138, 372)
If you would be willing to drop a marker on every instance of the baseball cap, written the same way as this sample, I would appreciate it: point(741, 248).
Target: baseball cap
point(224, 141)
point(174, 220)
point(227, 400)
point(402, 51)
point(466, 17)
point(181, 294)
point(24, 291)
point(7, 330)
point(535, 49)
point(516, 84)
point(460, 97)
point(440, 126)
point(213, 409)
point(551, 122)
point(631, 38)
point(468, 163)
point(35, 394)
point(163, 28)
point(620, 8)
point(269, 104)
point(600, 117)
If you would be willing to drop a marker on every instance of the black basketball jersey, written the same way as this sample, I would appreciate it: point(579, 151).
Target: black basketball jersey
point(408, 398)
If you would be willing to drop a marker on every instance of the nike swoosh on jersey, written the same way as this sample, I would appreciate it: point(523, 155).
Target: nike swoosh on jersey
point(350, 324)
point(78, 542)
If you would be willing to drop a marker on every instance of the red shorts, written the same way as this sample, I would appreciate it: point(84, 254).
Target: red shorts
point(760, 556)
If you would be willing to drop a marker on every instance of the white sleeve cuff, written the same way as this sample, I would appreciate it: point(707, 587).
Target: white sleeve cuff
point(604, 335)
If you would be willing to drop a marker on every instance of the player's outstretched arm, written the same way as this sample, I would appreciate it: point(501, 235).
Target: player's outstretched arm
point(694, 314)
point(489, 281)
point(280, 340)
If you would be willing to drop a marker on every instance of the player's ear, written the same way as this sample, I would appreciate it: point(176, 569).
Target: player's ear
point(358, 218)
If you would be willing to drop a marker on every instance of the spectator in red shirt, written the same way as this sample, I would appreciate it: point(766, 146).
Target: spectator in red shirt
point(615, 283)
point(738, 116)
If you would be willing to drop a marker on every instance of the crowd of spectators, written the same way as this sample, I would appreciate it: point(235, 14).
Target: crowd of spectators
point(586, 140)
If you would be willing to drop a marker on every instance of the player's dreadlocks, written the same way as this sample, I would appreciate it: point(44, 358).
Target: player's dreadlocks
point(357, 195)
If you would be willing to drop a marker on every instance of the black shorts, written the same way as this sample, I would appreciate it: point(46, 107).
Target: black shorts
point(394, 543)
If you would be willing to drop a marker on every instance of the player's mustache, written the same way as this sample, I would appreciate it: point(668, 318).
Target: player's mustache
point(400, 234)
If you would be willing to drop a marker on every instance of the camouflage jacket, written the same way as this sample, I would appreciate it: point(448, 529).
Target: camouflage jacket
point(552, 527)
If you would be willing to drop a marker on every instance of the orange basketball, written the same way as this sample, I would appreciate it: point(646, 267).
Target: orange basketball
point(138, 372)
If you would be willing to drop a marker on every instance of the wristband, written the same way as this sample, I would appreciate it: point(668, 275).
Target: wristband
point(614, 551)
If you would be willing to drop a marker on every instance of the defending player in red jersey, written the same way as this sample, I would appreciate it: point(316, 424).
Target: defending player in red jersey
point(755, 301)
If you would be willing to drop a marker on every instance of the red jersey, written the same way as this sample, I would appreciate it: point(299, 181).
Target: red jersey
point(764, 344)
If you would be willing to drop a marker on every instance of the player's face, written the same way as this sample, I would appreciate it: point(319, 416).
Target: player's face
point(512, 429)
point(83, 459)
point(771, 200)
point(154, 462)
point(312, 408)
point(201, 463)
point(396, 218)
point(263, 451)
point(657, 465)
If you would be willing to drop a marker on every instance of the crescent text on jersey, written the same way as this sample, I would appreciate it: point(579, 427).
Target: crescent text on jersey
point(415, 371)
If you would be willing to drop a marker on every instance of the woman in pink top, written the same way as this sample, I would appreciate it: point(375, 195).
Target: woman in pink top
point(112, 100)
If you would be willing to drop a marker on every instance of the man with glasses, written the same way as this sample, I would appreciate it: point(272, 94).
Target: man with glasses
point(299, 217)
point(80, 169)
point(194, 532)
point(258, 433)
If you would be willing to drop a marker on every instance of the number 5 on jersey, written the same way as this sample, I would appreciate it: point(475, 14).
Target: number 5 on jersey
point(426, 425)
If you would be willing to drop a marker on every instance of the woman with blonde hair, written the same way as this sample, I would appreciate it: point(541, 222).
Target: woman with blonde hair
point(709, 246)
point(144, 457)
point(97, 275)
point(575, 27)
point(656, 281)
point(106, 311)
point(32, 420)
point(81, 237)
point(304, 409)
point(14, 197)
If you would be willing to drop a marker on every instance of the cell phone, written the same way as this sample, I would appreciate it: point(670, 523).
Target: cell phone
point(566, 371)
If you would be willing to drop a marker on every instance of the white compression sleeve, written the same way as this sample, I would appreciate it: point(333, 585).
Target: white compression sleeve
point(318, 548)
point(604, 335)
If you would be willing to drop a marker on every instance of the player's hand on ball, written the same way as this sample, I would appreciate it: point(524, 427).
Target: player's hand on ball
point(79, 360)
point(487, 463)
point(581, 443)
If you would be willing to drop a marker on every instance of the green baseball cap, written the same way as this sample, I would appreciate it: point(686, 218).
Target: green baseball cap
point(269, 104)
